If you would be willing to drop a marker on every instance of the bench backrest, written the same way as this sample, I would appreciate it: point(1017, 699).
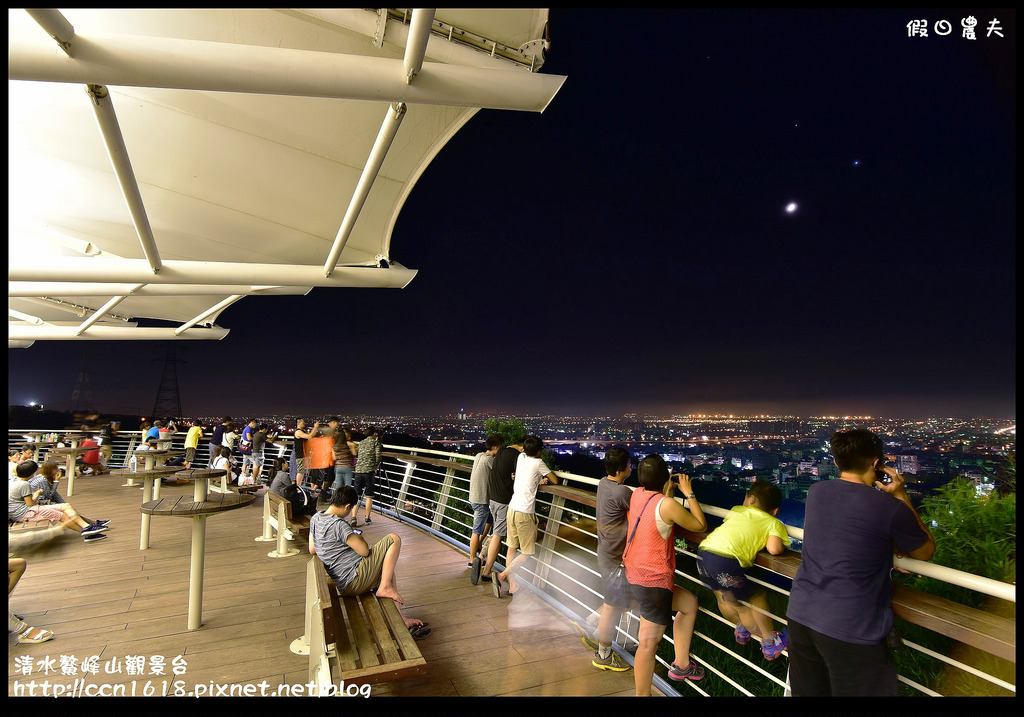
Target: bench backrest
point(326, 596)
point(276, 500)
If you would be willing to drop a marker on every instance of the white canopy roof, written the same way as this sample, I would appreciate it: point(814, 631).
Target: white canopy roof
point(165, 163)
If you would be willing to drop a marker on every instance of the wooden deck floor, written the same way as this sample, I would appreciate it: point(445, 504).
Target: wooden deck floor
point(112, 600)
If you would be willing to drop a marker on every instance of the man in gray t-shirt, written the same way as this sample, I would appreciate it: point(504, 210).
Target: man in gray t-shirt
point(612, 504)
point(355, 567)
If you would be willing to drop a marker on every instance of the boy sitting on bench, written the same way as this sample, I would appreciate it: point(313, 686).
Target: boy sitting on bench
point(355, 567)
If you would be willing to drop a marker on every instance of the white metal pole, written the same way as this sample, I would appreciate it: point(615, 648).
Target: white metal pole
point(213, 309)
point(67, 288)
point(146, 61)
point(388, 130)
point(118, 153)
point(111, 333)
point(176, 271)
point(56, 26)
point(98, 314)
point(416, 47)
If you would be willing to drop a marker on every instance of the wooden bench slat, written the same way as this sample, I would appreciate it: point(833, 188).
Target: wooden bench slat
point(406, 642)
point(364, 644)
point(370, 640)
point(381, 632)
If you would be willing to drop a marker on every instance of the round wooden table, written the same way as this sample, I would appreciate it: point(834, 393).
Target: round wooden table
point(70, 455)
point(199, 509)
point(150, 491)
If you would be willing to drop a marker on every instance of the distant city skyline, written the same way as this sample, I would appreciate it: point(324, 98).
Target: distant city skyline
point(628, 250)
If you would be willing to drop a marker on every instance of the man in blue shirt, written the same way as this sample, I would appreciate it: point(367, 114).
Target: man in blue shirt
point(840, 611)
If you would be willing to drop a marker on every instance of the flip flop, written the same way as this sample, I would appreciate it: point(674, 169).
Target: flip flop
point(474, 574)
point(41, 635)
point(496, 585)
point(419, 632)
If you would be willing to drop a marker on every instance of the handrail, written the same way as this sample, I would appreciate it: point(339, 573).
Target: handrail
point(559, 580)
point(568, 584)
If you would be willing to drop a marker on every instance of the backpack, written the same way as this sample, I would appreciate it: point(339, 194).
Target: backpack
point(244, 446)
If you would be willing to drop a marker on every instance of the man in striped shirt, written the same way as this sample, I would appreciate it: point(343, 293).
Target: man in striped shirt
point(355, 567)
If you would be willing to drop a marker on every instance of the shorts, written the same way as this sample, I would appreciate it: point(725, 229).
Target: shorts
point(370, 568)
point(256, 459)
point(653, 604)
point(481, 517)
point(499, 512)
point(364, 484)
point(190, 454)
point(53, 513)
point(522, 532)
point(723, 574)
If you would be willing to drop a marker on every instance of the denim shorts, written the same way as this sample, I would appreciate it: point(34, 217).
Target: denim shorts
point(481, 517)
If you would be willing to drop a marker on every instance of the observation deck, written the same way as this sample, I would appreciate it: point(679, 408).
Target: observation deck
point(119, 603)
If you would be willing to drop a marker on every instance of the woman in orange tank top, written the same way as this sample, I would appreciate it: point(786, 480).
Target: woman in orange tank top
point(650, 560)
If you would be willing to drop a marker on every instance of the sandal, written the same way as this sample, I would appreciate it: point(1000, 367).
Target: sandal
point(420, 632)
point(35, 635)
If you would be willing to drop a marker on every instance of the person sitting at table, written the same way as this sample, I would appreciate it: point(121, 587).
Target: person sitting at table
point(224, 462)
point(89, 463)
point(22, 507)
point(47, 479)
point(355, 567)
point(16, 456)
point(149, 445)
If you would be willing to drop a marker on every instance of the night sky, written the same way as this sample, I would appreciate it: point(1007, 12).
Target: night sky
point(628, 250)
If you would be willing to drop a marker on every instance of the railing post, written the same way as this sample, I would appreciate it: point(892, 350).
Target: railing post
point(130, 483)
point(547, 543)
point(404, 490)
point(442, 501)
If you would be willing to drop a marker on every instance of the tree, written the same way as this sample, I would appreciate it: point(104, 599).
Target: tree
point(513, 430)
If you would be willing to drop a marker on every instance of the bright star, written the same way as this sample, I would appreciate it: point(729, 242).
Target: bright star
point(791, 207)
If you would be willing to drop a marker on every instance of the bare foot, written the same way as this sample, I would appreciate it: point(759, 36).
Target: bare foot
point(389, 592)
point(512, 585)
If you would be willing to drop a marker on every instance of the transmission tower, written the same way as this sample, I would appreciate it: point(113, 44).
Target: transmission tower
point(81, 398)
point(168, 398)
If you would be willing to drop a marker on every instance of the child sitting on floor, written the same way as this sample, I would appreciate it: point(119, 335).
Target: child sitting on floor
point(730, 548)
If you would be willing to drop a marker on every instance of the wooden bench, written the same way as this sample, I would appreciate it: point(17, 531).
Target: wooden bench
point(26, 526)
point(277, 516)
point(247, 488)
point(356, 639)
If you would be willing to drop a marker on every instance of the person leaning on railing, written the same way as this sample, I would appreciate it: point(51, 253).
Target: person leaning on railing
point(840, 612)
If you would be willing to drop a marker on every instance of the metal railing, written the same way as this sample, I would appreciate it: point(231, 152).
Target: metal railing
point(430, 489)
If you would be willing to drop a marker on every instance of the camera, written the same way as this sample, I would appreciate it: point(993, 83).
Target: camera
point(881, 475)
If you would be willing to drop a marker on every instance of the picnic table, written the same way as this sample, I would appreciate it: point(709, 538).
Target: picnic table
point(70, 455)
point(150, 491)
point(202, 506)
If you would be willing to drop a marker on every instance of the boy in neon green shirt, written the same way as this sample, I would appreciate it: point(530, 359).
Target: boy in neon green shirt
point(731, 547)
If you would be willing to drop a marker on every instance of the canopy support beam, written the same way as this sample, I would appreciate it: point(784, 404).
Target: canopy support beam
point(104, 269)
point(118, 153)
point(98, 314)
point(212, 310)
point(56, 26)
point(416, 48)
point(18, 289)
point(145, 61)
point(388, 130)
point(110, 333)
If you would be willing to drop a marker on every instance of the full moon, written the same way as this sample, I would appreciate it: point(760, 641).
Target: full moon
point(791, 207)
